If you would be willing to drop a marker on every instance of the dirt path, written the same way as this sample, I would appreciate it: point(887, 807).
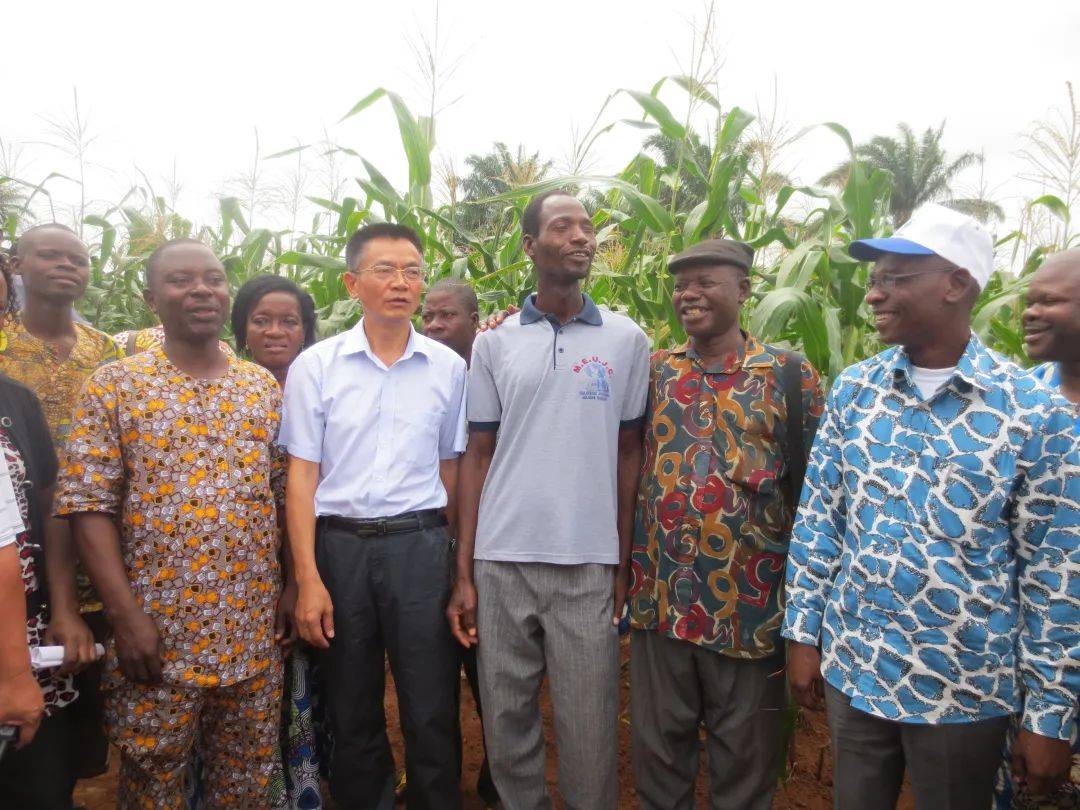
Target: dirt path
point(808, 786)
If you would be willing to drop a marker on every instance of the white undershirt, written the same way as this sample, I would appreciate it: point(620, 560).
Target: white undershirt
point(929, 380)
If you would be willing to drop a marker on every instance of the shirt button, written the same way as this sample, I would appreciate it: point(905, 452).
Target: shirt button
point(560, 351)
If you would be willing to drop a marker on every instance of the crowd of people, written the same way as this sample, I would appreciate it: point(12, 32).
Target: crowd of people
point(254, 531)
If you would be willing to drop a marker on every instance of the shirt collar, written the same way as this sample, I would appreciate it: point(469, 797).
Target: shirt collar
point(590, 313)
point(973, 368)
point(356, 341)
point(752, 355)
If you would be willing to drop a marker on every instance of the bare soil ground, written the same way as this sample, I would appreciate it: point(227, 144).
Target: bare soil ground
point(808, 785)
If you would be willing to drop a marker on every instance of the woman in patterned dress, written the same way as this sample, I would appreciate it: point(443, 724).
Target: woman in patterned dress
point(273, 321)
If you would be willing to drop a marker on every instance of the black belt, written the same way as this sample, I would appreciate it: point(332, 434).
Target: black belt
point(376, 527)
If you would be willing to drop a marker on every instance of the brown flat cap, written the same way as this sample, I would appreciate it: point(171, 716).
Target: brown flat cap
point(714, 251)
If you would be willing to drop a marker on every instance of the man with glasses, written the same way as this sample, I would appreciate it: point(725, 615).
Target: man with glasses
point(374, 423)
point(936, 553)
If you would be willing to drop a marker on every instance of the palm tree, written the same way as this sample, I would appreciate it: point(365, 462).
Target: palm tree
point(494, 173)
point(921, 170)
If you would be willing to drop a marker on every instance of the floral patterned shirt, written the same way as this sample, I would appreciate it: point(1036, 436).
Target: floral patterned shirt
point(192, 471)
point(134, 341)
point(57, 383)
point(714, 507)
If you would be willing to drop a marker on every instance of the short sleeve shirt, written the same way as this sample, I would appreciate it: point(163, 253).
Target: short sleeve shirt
point(152, 337)
point(377, 433)
point(55, 382)
point(190, 468)
point(558, 395)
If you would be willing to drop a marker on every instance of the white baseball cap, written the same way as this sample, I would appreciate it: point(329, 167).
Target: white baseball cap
point(935, 230)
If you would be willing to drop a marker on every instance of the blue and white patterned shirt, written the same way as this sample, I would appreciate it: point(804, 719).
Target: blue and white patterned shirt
point(936, 553)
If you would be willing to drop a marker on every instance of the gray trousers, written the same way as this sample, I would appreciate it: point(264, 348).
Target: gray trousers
point(674, 686)
point(951, 766)
point(537, 618)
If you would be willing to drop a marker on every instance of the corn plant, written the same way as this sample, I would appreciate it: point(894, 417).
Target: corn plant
point(695, 178)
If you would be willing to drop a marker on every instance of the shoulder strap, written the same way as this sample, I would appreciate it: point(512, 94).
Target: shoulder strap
point(794, 444)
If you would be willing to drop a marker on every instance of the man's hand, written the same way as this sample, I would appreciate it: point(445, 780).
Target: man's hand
point(314, 614)
point(284, 627)
point(461, 611)
point(138, 647)
point(494, 321)
point(622, 585)
point(804, 675)
point(1040, 763)
point(69, 631)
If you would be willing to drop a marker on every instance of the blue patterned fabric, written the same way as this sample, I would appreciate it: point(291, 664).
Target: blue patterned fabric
point(1068, 795)
point(936, 553)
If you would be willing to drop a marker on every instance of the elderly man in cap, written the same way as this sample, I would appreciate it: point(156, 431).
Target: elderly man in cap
point(934, 568)
point(726, 434)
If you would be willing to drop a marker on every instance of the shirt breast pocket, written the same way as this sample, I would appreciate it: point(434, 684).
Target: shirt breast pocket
point(417, 436)
point(969, 507)
point(757, 465)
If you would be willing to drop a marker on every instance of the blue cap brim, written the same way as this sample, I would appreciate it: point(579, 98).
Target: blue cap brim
point(867, 250)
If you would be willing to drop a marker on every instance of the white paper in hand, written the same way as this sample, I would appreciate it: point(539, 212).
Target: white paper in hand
point(11, 521)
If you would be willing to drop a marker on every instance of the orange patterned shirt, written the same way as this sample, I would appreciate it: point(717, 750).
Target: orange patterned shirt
point(192, 471)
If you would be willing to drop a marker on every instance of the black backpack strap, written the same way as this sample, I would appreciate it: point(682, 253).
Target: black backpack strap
point(795, 450)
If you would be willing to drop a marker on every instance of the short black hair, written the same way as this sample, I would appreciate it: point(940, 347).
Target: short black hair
point(154, 259)
point(378, 230)
point(530, 217)
point(17, 244)
point(253, 290)
point(462, 290)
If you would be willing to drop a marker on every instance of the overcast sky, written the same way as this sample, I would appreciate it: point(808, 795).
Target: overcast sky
point(186, 84)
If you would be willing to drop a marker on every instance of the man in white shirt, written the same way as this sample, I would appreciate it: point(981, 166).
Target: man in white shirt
point(374, 423)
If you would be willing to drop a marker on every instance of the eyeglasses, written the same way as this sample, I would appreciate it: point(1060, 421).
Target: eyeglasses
point(385, 272)
point(886, 282)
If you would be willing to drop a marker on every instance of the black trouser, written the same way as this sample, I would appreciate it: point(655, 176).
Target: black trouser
point(389, 594)
point(951, 766)
point(41, 776)
point(485, 785)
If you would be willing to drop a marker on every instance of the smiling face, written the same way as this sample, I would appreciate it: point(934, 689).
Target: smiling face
point(275, 330)
point(565, 242)
point(1052, 314)
point(54, 265)
point(912, 297)
point(189, 293)
point(382, 281)
point(707, 299)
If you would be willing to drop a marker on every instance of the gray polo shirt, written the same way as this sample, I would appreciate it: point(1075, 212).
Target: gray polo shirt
point(558, 396)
